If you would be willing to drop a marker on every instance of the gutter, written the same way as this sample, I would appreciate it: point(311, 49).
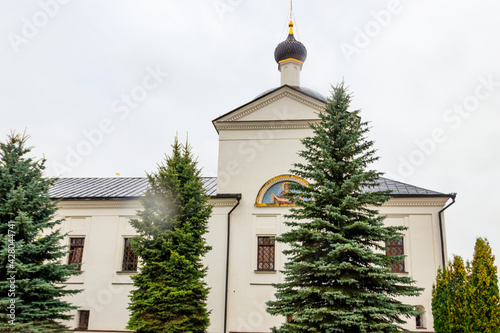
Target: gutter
point(452, 196)
point(238, 197)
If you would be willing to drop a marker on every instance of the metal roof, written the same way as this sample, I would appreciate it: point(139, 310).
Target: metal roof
point(132, 188)
point(109, 188)
point(400, 189)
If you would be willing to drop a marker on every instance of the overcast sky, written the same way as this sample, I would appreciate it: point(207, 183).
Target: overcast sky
point(103, 86)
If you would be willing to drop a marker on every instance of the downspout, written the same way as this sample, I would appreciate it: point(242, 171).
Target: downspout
point(452, 196)
point(238, 197)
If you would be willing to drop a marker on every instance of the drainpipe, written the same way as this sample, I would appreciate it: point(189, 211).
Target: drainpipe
point(452, 196)
point(238, 197)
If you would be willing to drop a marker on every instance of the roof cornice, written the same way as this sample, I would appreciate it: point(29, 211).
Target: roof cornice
point(259, 125)
point(417, 201)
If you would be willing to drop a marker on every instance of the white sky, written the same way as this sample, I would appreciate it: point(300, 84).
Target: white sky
point(425, 73)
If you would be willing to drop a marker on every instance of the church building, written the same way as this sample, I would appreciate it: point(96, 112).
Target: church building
point(258, 143)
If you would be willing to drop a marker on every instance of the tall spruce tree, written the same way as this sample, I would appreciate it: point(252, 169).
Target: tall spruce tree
point(337, 277)
point(484, 297)
point(171, 294)
point(30, 245)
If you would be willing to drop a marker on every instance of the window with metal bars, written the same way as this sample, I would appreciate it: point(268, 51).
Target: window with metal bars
point(83, 319)
point(76, 252)
point(129, 263)
point(265, 253)
point(396, 248)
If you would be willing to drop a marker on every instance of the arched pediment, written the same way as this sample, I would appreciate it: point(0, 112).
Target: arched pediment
point(272, 192)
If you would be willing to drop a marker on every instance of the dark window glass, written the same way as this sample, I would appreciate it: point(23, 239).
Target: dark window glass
point(418, 320)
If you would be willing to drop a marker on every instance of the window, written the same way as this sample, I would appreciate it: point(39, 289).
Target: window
point(396, 248)
point(265, 253)
point(420, 319)
point(129, 263)
point(83, 319)
point(76, 252)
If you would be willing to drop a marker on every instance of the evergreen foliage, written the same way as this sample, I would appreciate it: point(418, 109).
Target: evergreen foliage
point(30, 245)
point(484, 295)
point(170, 292)
point(440, 299)
point(337, 277)
point(458, 306)
point(465, 299)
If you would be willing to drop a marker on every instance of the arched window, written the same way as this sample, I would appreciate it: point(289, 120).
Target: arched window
point(420, 319)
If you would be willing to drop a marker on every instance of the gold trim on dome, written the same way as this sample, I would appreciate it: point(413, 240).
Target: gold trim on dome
point(288, 59)
point(270, 183)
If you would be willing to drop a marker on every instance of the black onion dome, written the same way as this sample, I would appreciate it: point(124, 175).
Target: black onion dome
point(290, 48)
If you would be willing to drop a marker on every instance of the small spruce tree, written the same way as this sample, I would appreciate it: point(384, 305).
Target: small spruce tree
point(30, 245)
point(170, 292)
point(337, 277)
point(484, 297)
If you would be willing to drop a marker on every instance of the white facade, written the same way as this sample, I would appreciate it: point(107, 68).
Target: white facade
point(257, 143)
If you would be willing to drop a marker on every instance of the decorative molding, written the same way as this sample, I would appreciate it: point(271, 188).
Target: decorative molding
point(413, 203)
point(319, 106)
point(253, 125)
point(223, 202)
point(98, 205)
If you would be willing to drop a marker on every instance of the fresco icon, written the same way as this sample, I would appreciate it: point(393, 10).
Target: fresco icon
point(276, 194)
point(274, 191)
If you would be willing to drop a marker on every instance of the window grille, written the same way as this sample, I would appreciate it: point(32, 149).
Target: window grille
point(396, 248)
point(83, 319)
point(265, 253)
point(129, 263)
point(76, 252)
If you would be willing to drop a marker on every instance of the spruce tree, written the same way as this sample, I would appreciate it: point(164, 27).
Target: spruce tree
point(30, 245)
point(484, 297)
point(170, 293)
point(337, 277)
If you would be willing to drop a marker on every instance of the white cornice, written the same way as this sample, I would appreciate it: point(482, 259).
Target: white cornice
point(104, 204)
point(223, 202)
point(133, 204)
point(416, 202)
point(259, 125)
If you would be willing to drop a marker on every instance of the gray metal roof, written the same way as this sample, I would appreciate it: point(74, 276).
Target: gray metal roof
point(109, 188)
point(400, 189)
point(132, 188)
